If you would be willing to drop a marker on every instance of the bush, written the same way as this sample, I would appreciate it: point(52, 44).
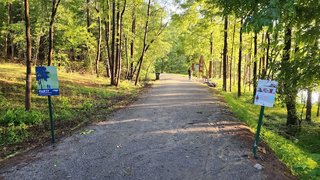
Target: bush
point(20, 116)
point(13, 134)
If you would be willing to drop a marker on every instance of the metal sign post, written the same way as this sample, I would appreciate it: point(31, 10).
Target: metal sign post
point(256, 141)
point(48, 85)
point(265, 96)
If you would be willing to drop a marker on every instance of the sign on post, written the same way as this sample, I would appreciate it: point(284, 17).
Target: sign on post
point(47, 81)
point(48, 85)
point(266, 93)
point(265, 96)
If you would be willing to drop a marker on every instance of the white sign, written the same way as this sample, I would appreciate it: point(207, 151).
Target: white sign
point(266, 93)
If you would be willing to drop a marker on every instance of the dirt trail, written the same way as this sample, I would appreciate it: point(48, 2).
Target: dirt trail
point(177, 130)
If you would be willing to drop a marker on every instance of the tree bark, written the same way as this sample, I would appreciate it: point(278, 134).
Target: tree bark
point(225, 51)
point(98, 43)
point(240, 59)
point(88, 16)
point(289, 91)
point(107, 37)
point(28, 57)
point(255, 64)
point(309, 106)
point(211, 55)
point(232, 54)
point(113, 44)
point(133, 31)
point(55, 6)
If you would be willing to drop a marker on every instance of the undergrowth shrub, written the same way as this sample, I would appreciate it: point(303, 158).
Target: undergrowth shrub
point(20, 116)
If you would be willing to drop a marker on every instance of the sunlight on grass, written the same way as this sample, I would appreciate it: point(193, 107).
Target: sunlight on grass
point(299, 151)
point(81, 96)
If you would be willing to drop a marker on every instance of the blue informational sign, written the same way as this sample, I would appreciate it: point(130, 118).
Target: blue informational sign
point(47, 81)
point(266, 93)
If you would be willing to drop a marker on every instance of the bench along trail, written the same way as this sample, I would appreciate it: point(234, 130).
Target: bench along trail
point(176, 130)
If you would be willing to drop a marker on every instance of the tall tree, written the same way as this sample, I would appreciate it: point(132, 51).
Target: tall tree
point(232, 53)
point(144, 42)
point(28, 57)
point(255, 54)
point(98, 41)
point(225, 52)
point(289, 91)
point(240, 59)
point(55, 5)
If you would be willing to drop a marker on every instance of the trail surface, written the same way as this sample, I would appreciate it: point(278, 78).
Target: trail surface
point(177, 130)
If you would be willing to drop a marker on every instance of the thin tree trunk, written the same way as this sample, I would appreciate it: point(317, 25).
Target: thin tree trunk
point(225, 51)
point(144, 42)
point(309, 106)
point(232, 54)
point(55, 6)
point(28, 57)
point(107, 37)
point(88, 16)
point(240, 59)
point(211, 55)
point(113, 44)
point(133, 31)
point(267, 53)
point(127, 57)
point(255, 65)
point(98, 43)
point(6, 45)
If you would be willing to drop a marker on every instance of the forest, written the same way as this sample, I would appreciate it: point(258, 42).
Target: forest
point(118, 45)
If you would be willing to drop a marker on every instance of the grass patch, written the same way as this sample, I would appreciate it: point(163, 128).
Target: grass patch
point(298, 148)
point(83, 98)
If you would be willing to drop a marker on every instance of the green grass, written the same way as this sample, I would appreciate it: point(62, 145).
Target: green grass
point(298, 148)
point(83, 98)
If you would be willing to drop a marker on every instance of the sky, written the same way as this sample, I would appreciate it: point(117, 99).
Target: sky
point(170, 6)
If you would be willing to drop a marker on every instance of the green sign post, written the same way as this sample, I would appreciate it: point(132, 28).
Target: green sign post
point(48, 85)
point(265, 96)
point(256, 141)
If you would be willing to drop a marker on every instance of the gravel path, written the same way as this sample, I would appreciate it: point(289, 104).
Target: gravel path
point(177, 130)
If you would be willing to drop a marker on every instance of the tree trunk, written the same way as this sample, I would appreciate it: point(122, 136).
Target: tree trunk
point(28, 57)
point(107, 37)
point(144, 42)
point(88, 16)
point(232, 54)
point(240, 59)
point(211, 55)
point(55, 6)
point(289, 91)
point(113, 44)
point(225, 51)
point(120, 29)
point(255, 65)
point(133, 31)
point(267, 53)
point(98, 45)
point(309, 106)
